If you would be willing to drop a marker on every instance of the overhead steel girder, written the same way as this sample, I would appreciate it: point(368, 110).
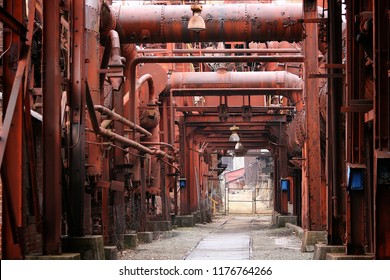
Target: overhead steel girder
point(214, 110)
point(227, 22)
point(248, 146)
point(215, 121)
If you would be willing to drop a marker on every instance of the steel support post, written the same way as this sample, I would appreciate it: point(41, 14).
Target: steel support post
point(355, 208)
point(334, 141)
point(52, 158)
point(77, 106)
point(142, 224)
point(381, 129)
point(12, 174)
point(313, 221)
point(165, 199)
point(184, 204)
point(283, 172)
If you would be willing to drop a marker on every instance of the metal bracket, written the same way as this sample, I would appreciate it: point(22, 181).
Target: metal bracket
point(223, 112)
point(247, 112)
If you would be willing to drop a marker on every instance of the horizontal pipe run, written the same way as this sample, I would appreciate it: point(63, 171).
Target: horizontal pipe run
point(197, 59)
point(224, 51)
point(238, 110)
point(229, 83)
point(116, 117)
point(231, 91)
point(224, 23)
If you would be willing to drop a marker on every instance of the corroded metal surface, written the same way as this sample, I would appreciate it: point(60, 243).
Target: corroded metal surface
point(239, 22)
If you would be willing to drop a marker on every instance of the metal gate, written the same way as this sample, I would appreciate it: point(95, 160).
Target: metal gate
point(249, 200)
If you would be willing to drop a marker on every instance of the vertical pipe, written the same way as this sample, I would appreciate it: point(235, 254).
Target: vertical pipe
point(164, 197)
point(142, 226)
point(333, 120)
point(119, 160)
point(52, 92)
point(12, 177)
point(92, 58)
point(183, 163)
point(172, 119)
point(77, 104)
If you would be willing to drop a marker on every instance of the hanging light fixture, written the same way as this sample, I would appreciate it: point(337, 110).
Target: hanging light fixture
point(234, 136)
point(239, 146)
point(196, 22)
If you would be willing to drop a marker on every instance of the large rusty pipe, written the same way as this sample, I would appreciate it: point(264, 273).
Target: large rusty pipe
point(224, 22)
point(197, 59)
point(116, 117)
point(239, 80)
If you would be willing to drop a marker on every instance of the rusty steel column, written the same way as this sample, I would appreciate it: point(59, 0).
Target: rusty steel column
point(142, 216)
point(381, 129)
point(283, 165)
point(184, 197)
point(313, 221)
point(165, 198)
point(224, 23)
point(12, 171)
point(52, 158)
point(77, 107)
point(92, 58)
point(334, 155)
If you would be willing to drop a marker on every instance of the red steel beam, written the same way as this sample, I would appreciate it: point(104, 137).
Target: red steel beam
point(381, 128)
point(313, 221)
point(254, 110)
point(52, 158)
point(199, 120)
point(12, 136)
point(11, 22)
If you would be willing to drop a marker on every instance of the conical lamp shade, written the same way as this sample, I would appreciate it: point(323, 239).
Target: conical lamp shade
point(196, 23)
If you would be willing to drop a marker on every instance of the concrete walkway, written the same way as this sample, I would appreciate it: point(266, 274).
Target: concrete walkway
point(231, 242)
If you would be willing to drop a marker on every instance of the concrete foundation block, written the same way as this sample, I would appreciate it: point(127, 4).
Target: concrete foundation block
point(162, 234)
point(66, 256)
point(130, 240)
point(299, 232)
point(321, 250)
point(145, 237)
point(283, 219)
point(185, 221)
point(311, 238)
point(158, 226)
point(110, 252)
point(90, 247)
point(275, 216)
point(336, 256)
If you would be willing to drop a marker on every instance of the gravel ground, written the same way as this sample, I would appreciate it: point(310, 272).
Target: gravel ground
point(268, 242)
